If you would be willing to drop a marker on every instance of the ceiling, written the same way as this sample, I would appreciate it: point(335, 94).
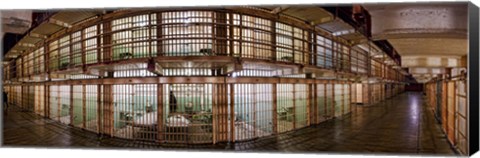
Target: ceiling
point(16, 21)
point(316, 16)
point(429, 36)
point(57, 22)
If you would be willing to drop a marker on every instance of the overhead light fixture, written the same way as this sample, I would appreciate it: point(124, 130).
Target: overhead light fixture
point(187, 20)
point(143, 23)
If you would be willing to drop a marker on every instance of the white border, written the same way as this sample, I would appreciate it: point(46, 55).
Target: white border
point(56, 4)
point(107, 153)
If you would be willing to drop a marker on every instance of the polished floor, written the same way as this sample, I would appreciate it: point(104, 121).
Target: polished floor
point(400, 125)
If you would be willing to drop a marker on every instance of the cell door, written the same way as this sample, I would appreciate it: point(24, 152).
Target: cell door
point(461, 126)
point(30, 98)
point(438, 107)
point(78, 106)
point(301, 104)
point(339, 101)
point(285, 107)
point(252, 110)
point(64, 104)
point(444, 105)
point(39, 100)
point(92, 115)
point(451, 112)
point(321, 103)
point(135, 111)
point(347, 105)
point(53, 103)
point(188, 113)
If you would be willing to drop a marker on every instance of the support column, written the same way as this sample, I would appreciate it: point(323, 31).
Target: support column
point(160, 112)
point(220, 33)
point(313, 111)
point(230, 34)
point(294, 108)
point(71, 105)
point(107, 108)
point(343, 97)
point(325, 95)
point(232, 112)
point(108, 122)
point(107, 41)
point(351, 96)
point(274, 104)
point(47, 101)
point(99, 109)
point(220, 113)
point(273, 40)
point(314, 51)
point(333, 98)
point(159, 35)
point(84, 106)
point(107, 38)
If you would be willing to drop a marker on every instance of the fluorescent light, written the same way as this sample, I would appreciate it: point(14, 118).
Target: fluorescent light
point(187, 20)
point(143, 24)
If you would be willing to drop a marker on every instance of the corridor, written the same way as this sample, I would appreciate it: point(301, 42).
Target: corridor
point(401, 125)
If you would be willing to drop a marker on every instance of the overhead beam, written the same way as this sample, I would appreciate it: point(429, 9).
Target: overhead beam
point(432, 61)
point(420, 70)
point(37, 35)
point(155, 68)
point(321, 20)
point(279, 10)
point(59, 23)
point(26, 45)
point(232, 67)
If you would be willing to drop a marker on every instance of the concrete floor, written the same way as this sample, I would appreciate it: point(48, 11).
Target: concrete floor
point(400, 125)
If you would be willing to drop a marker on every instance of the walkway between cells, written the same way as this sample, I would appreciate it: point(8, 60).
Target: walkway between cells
point(402, 124)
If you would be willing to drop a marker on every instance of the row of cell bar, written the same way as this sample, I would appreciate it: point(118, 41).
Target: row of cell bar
point(135, 108)
point(447, 98)
point(189, 113)
point(191, 33)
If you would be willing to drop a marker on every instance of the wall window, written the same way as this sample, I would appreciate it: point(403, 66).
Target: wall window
point(133, 37)
point(256, 37)
point(342, 57)
point(284, 42)
point(187, 33)
point(53, 55)
point(91, 45)
point(76, 48)
point(300, 46)
point(64, 52)
point(324, 52)
point(29, 60)
point(39, 61)
point(359, 61)
point(253, 110)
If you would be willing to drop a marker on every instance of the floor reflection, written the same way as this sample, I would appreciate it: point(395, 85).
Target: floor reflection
point(398, 125)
